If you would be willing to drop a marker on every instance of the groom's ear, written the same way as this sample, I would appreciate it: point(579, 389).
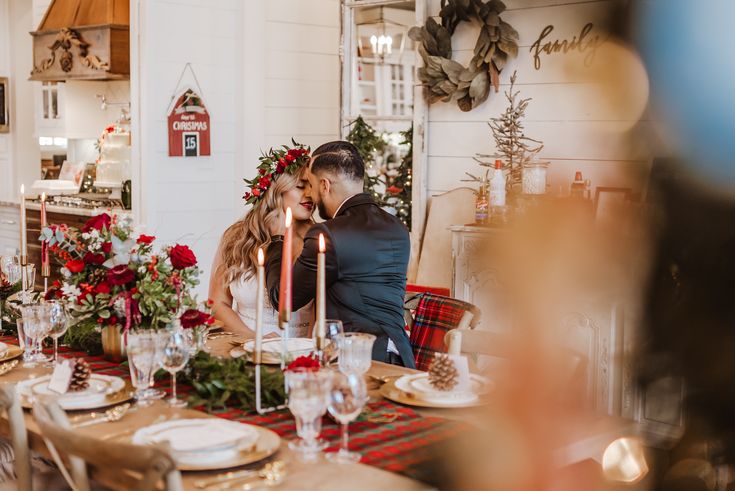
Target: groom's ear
point(324, 185)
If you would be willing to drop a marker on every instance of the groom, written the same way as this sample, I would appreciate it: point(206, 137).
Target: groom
point(366, 258)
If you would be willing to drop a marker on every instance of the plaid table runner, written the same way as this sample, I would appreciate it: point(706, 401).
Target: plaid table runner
point(389, 436)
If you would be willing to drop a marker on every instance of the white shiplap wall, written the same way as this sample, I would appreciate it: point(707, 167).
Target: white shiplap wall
point(269, 71)
point(580, 129)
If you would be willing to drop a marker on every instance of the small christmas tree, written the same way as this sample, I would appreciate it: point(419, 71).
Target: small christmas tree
point(363, 136)
point(398, 193)
point(512, 146)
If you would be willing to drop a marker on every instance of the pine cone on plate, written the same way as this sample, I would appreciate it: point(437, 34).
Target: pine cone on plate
point(80, 375)
point(443, 374)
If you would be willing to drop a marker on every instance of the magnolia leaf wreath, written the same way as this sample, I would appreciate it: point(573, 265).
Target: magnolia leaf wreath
point(447, 79)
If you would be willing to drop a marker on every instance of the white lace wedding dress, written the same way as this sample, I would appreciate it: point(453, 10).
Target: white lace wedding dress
point(244, 299)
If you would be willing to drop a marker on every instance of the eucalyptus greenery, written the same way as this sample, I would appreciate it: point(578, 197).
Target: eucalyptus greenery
point(230, 382)
point(449, 80)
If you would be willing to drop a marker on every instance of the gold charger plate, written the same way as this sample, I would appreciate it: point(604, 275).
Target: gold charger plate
point(267, 444)
point(393, 393)
point(123, 395)
point(12, 353)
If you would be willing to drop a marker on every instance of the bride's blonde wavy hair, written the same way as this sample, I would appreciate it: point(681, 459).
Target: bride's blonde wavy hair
point(241, 240)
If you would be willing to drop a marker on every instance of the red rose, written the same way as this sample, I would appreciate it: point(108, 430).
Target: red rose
point(289, 158)
point(133, 290)
point(261, 171)
point(91, 258)
point(145, 239)
point(102, 288)
point(120, 275)
point(112, 320)
point(182, 257)
point(106, 247)
point(264, 182)
point(256, 192)
point(280, 168)
point(75, 266)
point(97, 223)
point(193, 318)
point(100, 320)
point(247, 196)
point(306, 362)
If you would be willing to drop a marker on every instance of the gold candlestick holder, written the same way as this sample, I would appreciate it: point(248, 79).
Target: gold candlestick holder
point(258, 360)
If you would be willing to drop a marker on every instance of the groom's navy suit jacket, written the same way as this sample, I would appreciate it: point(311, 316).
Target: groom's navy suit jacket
point(366, 262)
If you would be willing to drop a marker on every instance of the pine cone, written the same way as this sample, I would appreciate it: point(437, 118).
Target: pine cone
point(443, 374)
point(80, 375)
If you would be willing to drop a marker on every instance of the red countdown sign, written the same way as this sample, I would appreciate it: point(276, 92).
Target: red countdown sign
point(188, 127)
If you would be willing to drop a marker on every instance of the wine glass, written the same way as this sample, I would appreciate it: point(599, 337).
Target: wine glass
point(175, 356)
point(36, 326)
point(332, 329)
point(307, 400)
point(9, 279)
point(355, 351)
point(347, 396)
point(141, 350)
point(160, 338)
point(59, 324)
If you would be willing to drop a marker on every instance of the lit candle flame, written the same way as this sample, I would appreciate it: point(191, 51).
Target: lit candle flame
point(322, 246)
point(43, 196)
point(22, 189)
point(289, 217)
point(261, 257)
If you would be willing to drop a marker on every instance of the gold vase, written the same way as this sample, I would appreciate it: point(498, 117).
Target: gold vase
point(113, 345)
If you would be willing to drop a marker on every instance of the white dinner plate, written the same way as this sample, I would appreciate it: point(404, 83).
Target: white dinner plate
point(204, 443)
point(419, 387)
point(272, 349)
point(94, 396)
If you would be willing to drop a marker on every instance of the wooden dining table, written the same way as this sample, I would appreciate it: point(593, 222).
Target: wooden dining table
point(322, 475)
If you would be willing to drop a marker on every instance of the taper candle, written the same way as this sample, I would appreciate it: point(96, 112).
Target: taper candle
point(285, 296)
point(321, 291)
point(259, 307)
point(23, 238)
point(45, 264)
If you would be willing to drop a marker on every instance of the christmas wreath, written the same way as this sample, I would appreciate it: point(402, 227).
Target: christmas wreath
point(447, 79)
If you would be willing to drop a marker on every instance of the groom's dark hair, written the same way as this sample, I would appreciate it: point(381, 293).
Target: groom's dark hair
point(338, 157)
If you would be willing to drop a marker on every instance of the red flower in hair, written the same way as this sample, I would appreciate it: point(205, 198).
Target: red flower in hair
point(256, 192)
point(75, 266)
point(264, 182)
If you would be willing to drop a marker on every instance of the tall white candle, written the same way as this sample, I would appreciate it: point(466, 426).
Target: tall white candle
point(259, 306)
point(321, 299)
point(23, 238)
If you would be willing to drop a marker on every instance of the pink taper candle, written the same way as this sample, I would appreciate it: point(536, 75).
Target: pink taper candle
point(45, 265)
point(285, 296)
point(259, 307)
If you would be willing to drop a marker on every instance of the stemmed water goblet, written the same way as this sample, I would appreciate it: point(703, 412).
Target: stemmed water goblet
point(355, 352)
point(36, 326)
point(175, 357)
point(9, 280)
point(59, 324)
point(333, 328)
point(347, 396)
point(307, 399)
point(141, 349)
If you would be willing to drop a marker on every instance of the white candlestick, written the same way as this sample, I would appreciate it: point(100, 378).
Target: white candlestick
point(321, 299)
point(259, 307)
point(23, 238)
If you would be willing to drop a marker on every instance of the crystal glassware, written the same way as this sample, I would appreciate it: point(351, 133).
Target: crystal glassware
point(175, 357)
point(333, 328)
point(36, 326)
point(141, 349)
point(355, 352)
point(347, 396)
point(307, 400)
point(9, 279)
point(160, 337)
point(59, 323)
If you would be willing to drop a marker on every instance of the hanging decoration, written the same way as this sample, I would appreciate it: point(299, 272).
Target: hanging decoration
point(188, 122)
point(447, 79)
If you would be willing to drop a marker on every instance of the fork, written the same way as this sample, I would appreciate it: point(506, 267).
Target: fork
point(7, 367)
point(110, 416)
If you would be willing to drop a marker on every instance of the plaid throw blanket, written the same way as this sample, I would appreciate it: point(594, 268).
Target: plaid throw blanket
point(435, 315)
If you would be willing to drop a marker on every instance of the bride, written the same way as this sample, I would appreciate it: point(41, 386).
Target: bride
point(280, 184)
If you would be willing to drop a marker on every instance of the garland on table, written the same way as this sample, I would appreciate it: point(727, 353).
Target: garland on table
point(273, 164)
point(230, 382)
point(449, 80)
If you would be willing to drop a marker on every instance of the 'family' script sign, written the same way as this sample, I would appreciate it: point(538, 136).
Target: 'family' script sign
point(584, 43)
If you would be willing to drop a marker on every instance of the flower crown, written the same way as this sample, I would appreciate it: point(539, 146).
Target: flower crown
point(273, 164)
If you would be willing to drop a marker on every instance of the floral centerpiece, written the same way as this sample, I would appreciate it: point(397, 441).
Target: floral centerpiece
point(114, 280)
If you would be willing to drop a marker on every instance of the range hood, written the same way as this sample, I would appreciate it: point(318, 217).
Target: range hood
point(83, 40)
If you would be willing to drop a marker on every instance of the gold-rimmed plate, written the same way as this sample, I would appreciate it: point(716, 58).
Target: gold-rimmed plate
point(116, 391)
point(11, 353)
point(389, 391)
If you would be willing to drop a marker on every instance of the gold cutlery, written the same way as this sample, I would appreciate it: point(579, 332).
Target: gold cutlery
point(231, 479)
point(110, 416)
point(123, 434)
point(6, 367)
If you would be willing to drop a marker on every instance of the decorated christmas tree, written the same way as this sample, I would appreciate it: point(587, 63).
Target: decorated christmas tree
point(363, 136)
point(398, 193)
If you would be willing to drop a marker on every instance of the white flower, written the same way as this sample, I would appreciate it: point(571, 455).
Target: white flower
point(70, 290)
point(119, 306)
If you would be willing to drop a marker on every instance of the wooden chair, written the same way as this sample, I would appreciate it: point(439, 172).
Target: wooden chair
point(152, 464)
point(10, 403)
